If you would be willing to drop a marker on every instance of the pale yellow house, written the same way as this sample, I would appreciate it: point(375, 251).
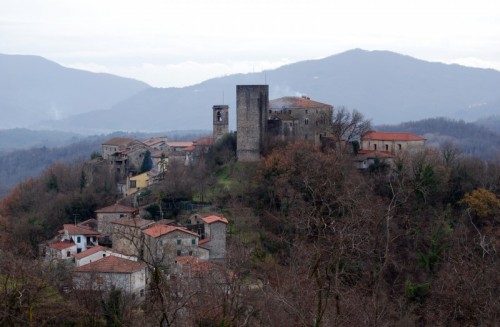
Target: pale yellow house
point(137, 183)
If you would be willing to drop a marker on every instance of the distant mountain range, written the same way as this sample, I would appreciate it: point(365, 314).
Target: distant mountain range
point(34, 89)
point(387, 87)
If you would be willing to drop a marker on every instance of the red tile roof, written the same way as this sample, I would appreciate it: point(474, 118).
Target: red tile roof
point(116, 208)
point(160, 229)
point(91, 251)
point(213, 219)
point(119, 141)
point(204, 141)
point(61, 245)
point(80, 230)
point(387, 136)
point(203, 241)
point(112, 264)
point(296, 103)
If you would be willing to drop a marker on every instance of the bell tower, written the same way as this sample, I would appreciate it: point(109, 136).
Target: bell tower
point(221, 121)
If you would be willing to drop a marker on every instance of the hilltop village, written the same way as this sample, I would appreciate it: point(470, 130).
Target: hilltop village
point(303, 216)
point(121, 249)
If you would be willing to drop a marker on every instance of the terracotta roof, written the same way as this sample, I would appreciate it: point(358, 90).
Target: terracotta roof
point(204, 141)
point(136, 222)
point(386, 136)
point(116, 208)
point(119, 141)
point(160, 229)
point(91, 251)
point(79, 230)
point(61, 245)
point(203, 241)
point(89, 223)
point(213, 219)
point(296, 102)
point(112, 264)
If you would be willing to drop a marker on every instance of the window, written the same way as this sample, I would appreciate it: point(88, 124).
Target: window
point(387, 147)
point(178, 242)
point(193, 241)
point(142, 293)
point(306, 111)
point(178, 253)
point(99, 280)
point(399, 146)
point(219, 116)
point(133, 184)
point(306, 121)
point(374, 147)
point(78, 239)
point(103, 255)
point(190, 252)
point(68, 254)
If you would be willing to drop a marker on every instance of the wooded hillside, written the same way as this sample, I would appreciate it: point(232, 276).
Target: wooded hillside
point(312, 242)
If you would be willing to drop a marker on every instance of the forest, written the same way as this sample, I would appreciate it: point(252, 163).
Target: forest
point(312, 241)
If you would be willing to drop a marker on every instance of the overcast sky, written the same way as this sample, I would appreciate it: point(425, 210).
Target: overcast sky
point(178, 43)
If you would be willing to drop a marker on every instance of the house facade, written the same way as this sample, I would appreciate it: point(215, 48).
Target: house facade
point(60, 250)
point(299, 118)
point(393, 143)
point(107, 215)
point(84, 238)
point(137, 183)
point(112, 272)
point(215, 236)
point(97, 253)
point(164, 242)
point(127, 235)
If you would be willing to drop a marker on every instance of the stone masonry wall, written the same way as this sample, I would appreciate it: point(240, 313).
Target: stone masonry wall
point(252, 102)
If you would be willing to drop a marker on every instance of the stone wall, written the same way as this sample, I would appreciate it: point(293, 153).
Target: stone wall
point(252, 103)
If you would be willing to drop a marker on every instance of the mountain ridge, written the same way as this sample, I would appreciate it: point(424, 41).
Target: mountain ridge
point(386, 86)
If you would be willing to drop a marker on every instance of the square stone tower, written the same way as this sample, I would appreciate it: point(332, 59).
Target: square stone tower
point(252, 103)
point(221, 121)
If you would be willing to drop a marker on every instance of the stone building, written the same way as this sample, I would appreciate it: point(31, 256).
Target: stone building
point(252, 103)
point(299, 118)
point(105, 216)
point(162, 243)
point(214, 236)
point(393, 143)
point(127, 235)
point(287, 118)
point(220, 121)
point(112, 272)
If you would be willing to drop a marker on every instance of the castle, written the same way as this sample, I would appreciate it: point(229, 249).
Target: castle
point(258, 120)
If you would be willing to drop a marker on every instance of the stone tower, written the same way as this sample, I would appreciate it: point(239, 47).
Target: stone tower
point(252, 103)
point(221, 121)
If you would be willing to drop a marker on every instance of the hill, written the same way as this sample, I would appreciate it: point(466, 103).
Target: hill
point(388, 87)
point(34, 89)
